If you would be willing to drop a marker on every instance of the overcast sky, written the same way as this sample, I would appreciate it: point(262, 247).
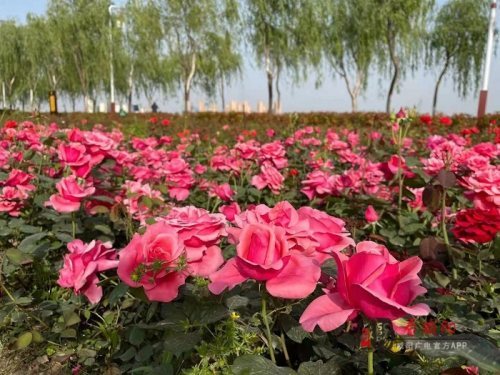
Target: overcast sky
point(414, 91)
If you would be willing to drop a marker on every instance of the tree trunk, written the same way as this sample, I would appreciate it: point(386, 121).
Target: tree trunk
point(222, 93)
point(186, 100)
point(130, 88)
point(269, 92)
point(396, 66)
point(187, 84)
point(438, 83)
point(4, 96)
point(278, 92)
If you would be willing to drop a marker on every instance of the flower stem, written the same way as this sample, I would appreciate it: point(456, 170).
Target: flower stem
point(370, 361)
point(443, 226)
point(73, 225)
point(285, 350)
point(268, 330)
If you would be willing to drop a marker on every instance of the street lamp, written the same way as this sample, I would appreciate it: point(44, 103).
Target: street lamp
point(111, 65)
point(483, 96)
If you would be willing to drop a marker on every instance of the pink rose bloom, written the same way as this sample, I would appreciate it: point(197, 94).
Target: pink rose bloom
point(200, 169)
point(230, 210)
point(391, 168)
point(270, 133)
point(224, 192)
point(317, 184)
point(71, 192)
point(157, 261)
point(76, 157)
point(371, 281)
point(371, 215)
point(274, 153)
point(484, 187)
point(268, 177)
point(197, 227)
point(327, 231)
point(17, 178)
point(264, 255)
point(83, 263)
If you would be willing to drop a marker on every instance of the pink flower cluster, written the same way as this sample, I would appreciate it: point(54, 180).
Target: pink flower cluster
point(15, 191)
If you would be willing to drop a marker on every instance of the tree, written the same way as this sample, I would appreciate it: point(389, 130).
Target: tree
point(401, 31)
point(349, 44)
point(11, 67)
point(457, 43)
point(189, 30)
point(81, 31)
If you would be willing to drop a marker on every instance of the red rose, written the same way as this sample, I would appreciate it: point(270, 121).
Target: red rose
point(477, 226)
point(426, 119)
point(446, 121)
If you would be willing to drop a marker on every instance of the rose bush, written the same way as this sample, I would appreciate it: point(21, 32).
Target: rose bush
point(180, 251)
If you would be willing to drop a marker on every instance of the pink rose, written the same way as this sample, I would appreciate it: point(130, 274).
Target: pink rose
point(230, 211)
point(317, 184)
point(327, 231)
point(371, 281)
point(158, 262)
point(70, 194)
point(83, 263)
point(223, 192)
point(268, 177)
point(263, 254)
point(197, 228)
point(371, 215)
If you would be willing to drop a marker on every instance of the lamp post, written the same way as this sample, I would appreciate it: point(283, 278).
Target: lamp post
point(483, 96)
point(111, 65)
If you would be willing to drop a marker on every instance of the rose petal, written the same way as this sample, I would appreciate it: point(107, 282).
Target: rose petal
point(329, 312)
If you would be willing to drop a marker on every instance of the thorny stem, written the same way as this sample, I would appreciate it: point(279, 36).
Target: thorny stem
point(268, 330)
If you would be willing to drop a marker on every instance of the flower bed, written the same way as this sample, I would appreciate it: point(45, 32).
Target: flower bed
point(289, 250)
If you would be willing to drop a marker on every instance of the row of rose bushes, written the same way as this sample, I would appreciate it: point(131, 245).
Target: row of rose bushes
point(206, 216)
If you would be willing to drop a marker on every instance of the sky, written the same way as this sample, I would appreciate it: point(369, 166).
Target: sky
point(414, 91)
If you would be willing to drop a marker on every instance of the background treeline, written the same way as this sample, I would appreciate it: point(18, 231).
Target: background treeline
point(177, 46)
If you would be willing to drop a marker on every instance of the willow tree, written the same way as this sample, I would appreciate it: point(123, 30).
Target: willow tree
point(279, 33)
point(457, 44)
point(189, 29)
point(11, 66)
point(349, 41)
point(401, 33)
point(82, 32)
point(219, 68)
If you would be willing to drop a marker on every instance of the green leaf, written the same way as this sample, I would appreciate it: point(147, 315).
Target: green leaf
point(118, 291)
point(257, 365)
point(29, 242)
point(71, 318)
point(145, 353)
point(24, 340)
point(68, 333)
point(136, 336)
point(17, 257)
point(103, 229)
point(179, 342)
point(128, 355)
point(319, 368)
